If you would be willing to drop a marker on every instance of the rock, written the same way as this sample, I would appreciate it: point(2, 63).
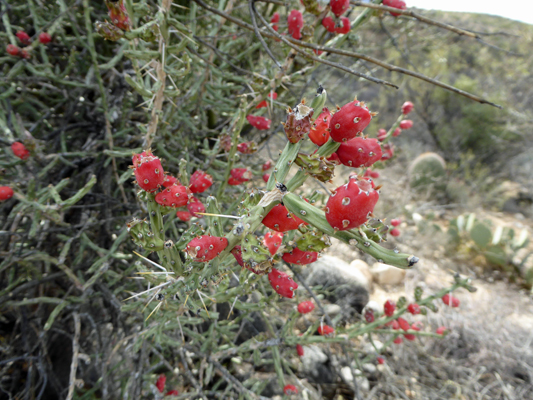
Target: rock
point(369, 348)
point(349, 285)
point(364, 268)
point(369, 368)
point(315, 365)
point(374, 306)
point(347, 376)
point(332, 309)
point(387, 275)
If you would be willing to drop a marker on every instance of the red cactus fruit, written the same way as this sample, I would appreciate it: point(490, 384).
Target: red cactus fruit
point(194, 206)
point(409, 336)
point(406, 124)
point(359, 152)
point(417, 326)
point(295, 23)
point(393, 324)
point(350, 205)
point(349, 121)
point(395, 232)
point(395, 4)
point(266, 166)
point(290, 389)
point(300, 350)
point(319, 133)
point(325, 330)
point(382, 134)
point(407, 107)
point(274, 20)
point(160, 384)
point(234, 182)
point(174, 196)
point(395, 222)
point(258, 122)
point(279, 219)
point(451, 301)
point(389, 308)
point(45, 38)
point(200, 181)
point(339, 7)
point(23, 37)
point(237, 253)
point(306, 307)
point(317, 52)
point(369, 315)
point(169, 180)
point(329, 24)
point(118, 14)
point(380, 360)
point(247, 147)
point(184, 215)
point(5, 193)
point(398, 340)
point(441, 330)
point(271, 95)
point(148, 171)
point(371, 174)
point(297, 256)
point(403, 324)
point(172, 393)
point(345, 26)
point(13, 50)
point(241, 174)
point(24, 54)
point(266, 177)
point(282, 283)
point(272, 241)
point(397, 132)
point(388, 151)
point(205, 248)
point(413, 308)
point(334, 158)
point(20, 150)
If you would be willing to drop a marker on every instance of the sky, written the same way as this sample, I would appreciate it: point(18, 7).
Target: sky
point(520, 10)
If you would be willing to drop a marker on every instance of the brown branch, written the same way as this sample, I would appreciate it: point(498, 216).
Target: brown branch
point(253, 11)
point(75, 353)
point(372, 60)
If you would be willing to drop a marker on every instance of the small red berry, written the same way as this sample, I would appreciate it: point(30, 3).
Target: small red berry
point(241, 174)
point(325, 330)
point(395, 222)
point(417, 326)
point(20, 150)
point(441, 330)
point(398, 340)
point(172, 393)
point(329, 24)
point(403, 324)
point(290, 389)
point(407, 107)
point(388, 151)
point(397, 132)
point(266, 166)
point(264, 103)
point(306, 307)
point(409, 336)
point(272, 241)
point(23, 37)
point(339, 7)
point(183, 215)
point(395, 232)
point(174, 196)
point(12, 50)
point(300, 350)
point(266, 177)
point(389, 308)
point(369, 315)
point(275, 17)
point(160, 384)
point(282, 283)
point(45, 38)
point(413, 308)
point(195, 206)
point(295, 23)
point(148, 171)
point(5, 193)
point(451, 301)
point(381, 360)
point(406, 124)
point(382, 133)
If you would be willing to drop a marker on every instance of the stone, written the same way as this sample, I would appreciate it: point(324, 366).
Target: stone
point(348, 285)
point(387, 275)
point(332, 309)
point(364, 268)
point(362, 382)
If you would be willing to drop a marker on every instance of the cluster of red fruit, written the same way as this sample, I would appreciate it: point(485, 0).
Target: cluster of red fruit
point(160, 385)
point(20, 151)
point(338, 24)
point(399, 4)
point(25, 40)
point(151, 177)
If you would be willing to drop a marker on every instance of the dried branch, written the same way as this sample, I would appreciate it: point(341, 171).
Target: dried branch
point(75, 353)
point(253, 11)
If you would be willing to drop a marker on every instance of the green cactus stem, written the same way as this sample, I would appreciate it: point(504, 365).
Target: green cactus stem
point(316, 166)
point(317, 218)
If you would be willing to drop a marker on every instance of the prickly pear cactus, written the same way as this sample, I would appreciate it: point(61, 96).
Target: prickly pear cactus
point(427, 173)
point(318, 167)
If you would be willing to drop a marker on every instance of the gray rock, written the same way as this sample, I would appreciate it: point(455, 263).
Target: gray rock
point(387, 275)
point(349, 284)
point(362, 382)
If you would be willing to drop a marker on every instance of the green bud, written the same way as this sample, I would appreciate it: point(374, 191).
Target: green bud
point(109, 31)
point(316, 166)
point(402, 302)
